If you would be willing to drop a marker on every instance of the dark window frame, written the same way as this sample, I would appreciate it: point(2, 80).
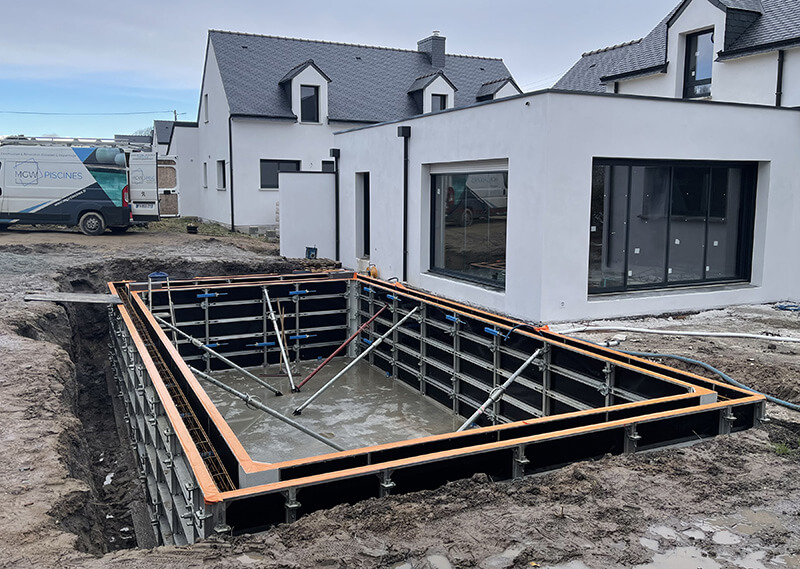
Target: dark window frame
point(746, 223)
point(282, 166)
point(309, 103)
point(691, 64)
point(438, 102)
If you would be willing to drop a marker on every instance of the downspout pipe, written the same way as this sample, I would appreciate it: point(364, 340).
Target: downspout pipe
point(230, 168)
point(779, 88)
point(335, 154)
point(404, 132)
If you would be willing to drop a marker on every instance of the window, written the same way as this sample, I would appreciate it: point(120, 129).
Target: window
point(699, 61)
point(328, 166)
point(661, 224)
point(270, 169)
point(205, 107)
point(438, 103)
point(220, 174)
point(205, 174)
point(468, 226)
point(309, 103)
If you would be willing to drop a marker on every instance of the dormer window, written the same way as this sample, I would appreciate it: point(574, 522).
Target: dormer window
point(309, 103)
point(699, 61)
point(438, 103)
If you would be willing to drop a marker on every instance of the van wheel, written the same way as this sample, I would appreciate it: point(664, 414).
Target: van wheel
point(92, 223)
point(467, 217)
point(119, 229)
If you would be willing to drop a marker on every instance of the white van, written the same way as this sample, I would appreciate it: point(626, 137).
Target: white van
point(91, 187)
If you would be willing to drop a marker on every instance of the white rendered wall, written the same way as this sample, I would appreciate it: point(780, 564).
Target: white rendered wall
point(791, 78)
point(255, 140)
point(550, 141)
point(308, 200)
point(750, 79)
point(212, 145)
point(190, 169)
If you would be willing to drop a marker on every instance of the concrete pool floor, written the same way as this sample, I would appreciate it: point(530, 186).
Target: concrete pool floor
point(363, 408)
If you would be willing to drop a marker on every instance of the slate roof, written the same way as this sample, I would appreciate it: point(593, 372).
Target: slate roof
point(421, 82)
point(163, 131)
point(492, 87)
point(777, 24)
point(368, 84)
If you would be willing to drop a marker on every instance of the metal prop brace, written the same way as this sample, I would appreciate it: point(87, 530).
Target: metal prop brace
point(372, 346)
point(280, 338)
point(340, 348)
point(197, 343)
point(497, 392)
point(251, 401)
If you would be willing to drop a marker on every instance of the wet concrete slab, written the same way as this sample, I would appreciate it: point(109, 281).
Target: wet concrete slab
point(363, 408)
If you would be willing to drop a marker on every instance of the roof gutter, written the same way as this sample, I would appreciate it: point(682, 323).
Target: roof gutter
point(660, 68)
point(755, 50)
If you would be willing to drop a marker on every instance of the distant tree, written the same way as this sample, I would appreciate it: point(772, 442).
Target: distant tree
point(146, 131)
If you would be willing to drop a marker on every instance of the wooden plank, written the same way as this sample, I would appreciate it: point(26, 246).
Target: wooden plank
point(84, 297)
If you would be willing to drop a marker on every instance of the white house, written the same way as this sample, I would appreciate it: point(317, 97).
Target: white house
point(589, 203)
point(745, 51)
point(270, 105)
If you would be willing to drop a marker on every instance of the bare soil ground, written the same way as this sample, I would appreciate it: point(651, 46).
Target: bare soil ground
point(70, 492)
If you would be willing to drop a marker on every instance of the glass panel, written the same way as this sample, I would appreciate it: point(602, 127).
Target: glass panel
point(608, 229)
point(269, 174)
point(723, 223)
point(469, 225)
point(704, 53)
point(647, 255)
point(309, 103)
point(688, 224)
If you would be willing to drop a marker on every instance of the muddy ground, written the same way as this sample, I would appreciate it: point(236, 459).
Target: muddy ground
point(70, 493)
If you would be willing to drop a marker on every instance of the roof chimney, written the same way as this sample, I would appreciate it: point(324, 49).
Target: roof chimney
point(434, 47)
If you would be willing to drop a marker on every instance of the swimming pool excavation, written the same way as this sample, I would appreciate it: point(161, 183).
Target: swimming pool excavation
point(416, 372)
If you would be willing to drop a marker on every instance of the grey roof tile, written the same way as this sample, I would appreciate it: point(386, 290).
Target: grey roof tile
point(492, 87)
point(368, 84)
point(585, 74)
point(163, 131)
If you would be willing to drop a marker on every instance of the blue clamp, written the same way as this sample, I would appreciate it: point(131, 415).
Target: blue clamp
point(367, 289)
point(493, 332)
point(367, 342)
point(216, 345)
point(393, 297)
point(301, 336)
point(261, 345)
point(454, 319)
point(296, 292)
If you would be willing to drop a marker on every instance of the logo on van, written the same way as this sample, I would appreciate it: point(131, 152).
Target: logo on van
point(137, 177)
point(27, 173)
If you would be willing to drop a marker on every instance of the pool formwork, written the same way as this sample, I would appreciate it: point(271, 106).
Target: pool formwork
point(546, 399)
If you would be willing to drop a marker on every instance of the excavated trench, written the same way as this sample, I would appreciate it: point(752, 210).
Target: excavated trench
point(111, 513)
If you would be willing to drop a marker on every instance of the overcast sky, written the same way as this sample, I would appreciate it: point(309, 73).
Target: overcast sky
point(78, 59)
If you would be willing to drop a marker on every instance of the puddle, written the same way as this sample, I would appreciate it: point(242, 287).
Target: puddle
point(681, 558)
point(649, 543)
point(747, 522)
point(725, 537)
point(665, 532)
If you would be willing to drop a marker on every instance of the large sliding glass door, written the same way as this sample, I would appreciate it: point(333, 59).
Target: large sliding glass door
point(659, 224)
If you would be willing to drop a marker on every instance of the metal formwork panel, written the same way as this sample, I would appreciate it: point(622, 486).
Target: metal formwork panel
point(574, 401)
